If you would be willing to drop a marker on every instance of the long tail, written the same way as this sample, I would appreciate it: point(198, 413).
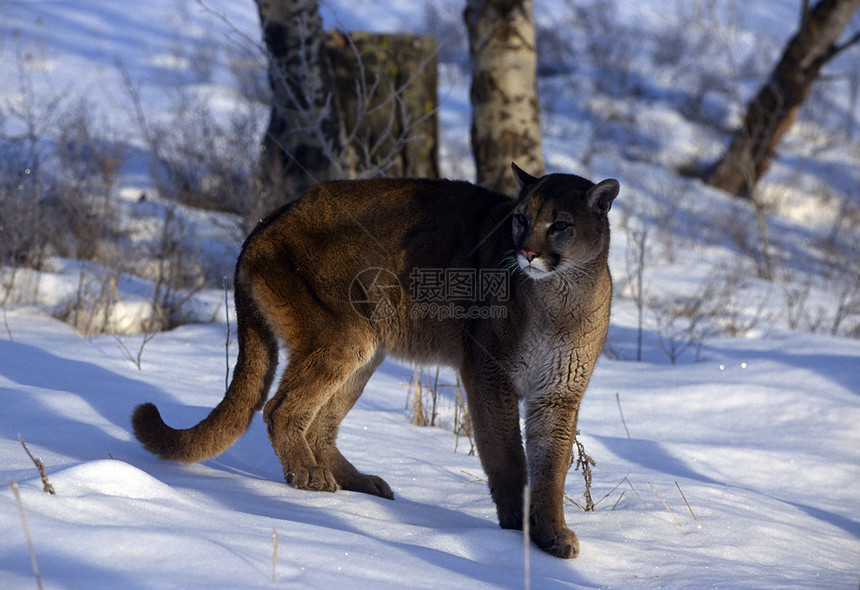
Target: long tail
point(252, 378)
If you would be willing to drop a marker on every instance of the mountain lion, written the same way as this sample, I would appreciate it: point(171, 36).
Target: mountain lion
point(513, 293)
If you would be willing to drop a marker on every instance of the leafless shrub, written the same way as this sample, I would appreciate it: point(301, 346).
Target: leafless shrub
point(89, 311)
point(82, 203)
point(832, 308)
point(725, 304)
point(608, 45)
point(728, 301)
point(136, 357)
point(636, 259)
point(683, 324)
point(665, 212)
point(178, 275)
point(58, 172)
point(20, 211)
point(847, 305)
point(418, 394)
point(248, 70)
point(796, 295)
point(427, 398)
point(24, 148)
point(204, 161)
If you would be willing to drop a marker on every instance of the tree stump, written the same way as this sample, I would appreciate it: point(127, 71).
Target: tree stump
point(385, 87)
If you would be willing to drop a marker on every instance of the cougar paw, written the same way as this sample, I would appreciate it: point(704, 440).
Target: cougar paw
point(313, 477)
point(560, 542)
point(511, 520)
point(369, 484)
point(380, 487)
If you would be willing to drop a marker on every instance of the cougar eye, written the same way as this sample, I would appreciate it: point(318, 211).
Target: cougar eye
point(521, 219)
point(560, 225)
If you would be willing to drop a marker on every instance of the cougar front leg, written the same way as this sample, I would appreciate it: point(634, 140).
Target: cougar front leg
point(494, 411)
point(550, 426)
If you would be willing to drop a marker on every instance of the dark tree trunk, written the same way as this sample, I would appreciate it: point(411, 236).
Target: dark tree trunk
point(305, 142)
point(773, 110)
point(505, 107)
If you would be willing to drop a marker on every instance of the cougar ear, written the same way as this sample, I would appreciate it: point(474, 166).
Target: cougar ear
point(601, 195)
point(523, 178)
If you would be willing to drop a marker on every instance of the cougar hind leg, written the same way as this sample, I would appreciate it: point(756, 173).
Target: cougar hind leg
point(311, 380)
point(322, 435)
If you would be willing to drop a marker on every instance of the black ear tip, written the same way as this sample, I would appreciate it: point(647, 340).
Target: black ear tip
point(522, 177)
point(610, 182)
point(610, 186)
point(603, 193)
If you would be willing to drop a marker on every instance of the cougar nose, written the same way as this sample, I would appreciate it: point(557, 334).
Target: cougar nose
point(529, 254)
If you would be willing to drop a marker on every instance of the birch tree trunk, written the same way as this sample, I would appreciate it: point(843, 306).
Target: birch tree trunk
point(305, 142)
point(773, 110)
point(505, 106)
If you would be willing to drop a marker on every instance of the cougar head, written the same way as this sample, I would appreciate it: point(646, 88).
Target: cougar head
point(560, 222)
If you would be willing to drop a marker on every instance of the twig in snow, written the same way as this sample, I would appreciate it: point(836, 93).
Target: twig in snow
point(618, 500)
point(136, 358)
point(17, 493)
point(46, 485)
point(685, 501)
point(6, 324)
point(584, 461)
point(476, 478)
point(618, 401)
point(527, 503)
point(274, 555)
point(667, 508)
point(227, 341)
point(609, 492)
point(637, 493)
point(574, 502)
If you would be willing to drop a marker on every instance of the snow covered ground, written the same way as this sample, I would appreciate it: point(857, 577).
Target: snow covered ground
point(761, 438)
point(760, 432)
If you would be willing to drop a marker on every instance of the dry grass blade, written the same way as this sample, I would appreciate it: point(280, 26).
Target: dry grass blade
point(624, 422)
point(472, 475)
point(667, 508)
point(610, 492)
point(274, 555)
point(20, 502)
point(574, 502)
point(618, 500)
point(637, 493)
point(227, 340)
point(46, 485)
point(527, 502)
point(685, 501)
